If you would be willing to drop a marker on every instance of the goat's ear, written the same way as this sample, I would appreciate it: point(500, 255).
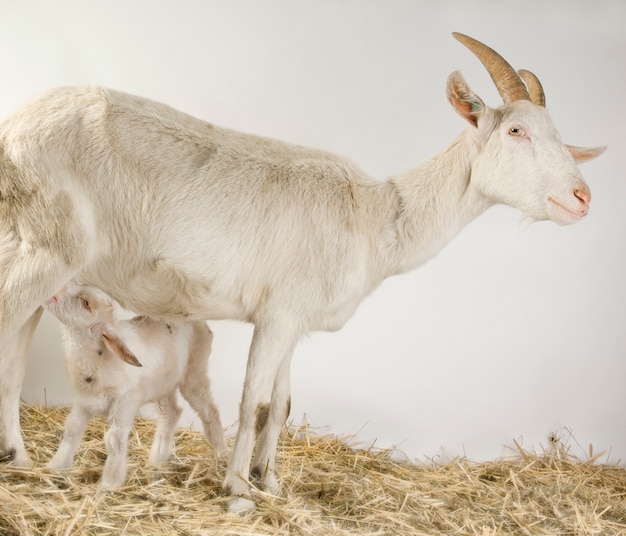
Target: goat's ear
point(584, 154)
point(469, 105)
point(116, 346)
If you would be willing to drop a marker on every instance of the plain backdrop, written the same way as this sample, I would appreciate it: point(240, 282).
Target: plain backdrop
point(515, 331)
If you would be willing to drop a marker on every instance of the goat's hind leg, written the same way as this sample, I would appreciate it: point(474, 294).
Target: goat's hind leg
point(33, 278)
point(33, 266)
point(13, 354)
point(168, 414)
point(196, 389)
point(197, 392)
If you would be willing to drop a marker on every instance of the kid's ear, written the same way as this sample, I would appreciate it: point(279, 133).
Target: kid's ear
point(469, 105)
point(120, 349)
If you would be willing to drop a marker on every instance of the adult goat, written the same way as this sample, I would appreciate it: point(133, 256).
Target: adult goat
point(177, 218)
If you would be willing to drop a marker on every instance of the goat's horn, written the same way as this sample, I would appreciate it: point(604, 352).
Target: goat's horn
point(507, 81)
point(534, 87)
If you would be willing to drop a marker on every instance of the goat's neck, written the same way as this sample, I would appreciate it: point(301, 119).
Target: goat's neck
point(434, 202)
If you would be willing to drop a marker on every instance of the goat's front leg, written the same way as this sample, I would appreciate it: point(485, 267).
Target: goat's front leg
point(272, 344)
point(75, 425)
point(121, 422)
point(169, 413)
point(13, 354)
point(263, 466)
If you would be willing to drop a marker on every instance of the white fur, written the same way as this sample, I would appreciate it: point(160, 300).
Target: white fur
point(178, 218)
point(171, 357)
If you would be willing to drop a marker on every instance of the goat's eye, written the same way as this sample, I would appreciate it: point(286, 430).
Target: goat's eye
point(85, 303)
point(517, 131)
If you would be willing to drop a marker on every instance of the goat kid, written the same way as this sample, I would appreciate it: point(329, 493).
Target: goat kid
point(98, 351)
point(178, 218)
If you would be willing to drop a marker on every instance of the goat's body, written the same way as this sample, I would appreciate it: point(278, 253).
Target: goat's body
point(173, 358)
point(99, 377)
point(177, 218)
point(228, 265)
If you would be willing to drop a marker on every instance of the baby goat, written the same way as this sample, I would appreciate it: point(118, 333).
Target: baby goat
point(98, 351)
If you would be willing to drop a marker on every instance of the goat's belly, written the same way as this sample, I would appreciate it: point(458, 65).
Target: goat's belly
point(161, 290)
point(176, 303)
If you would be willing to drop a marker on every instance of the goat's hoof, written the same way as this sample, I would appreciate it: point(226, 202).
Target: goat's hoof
point(237, 490)
point(7, 455)
point(107, 484)
point(270, 484)
point(16, 459)
point(240, 505)
point(266, 479)
point(222, 452)
point(58, 463)
point(158, 461)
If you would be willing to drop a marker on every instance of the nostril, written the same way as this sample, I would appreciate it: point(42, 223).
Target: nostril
point(583, 195)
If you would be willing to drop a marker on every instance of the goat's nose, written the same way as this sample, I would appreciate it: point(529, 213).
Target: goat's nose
point(584, 196)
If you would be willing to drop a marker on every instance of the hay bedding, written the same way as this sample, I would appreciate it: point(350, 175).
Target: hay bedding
point(328, 489)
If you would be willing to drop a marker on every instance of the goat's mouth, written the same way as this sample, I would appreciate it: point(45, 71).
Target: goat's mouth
point(566, 214)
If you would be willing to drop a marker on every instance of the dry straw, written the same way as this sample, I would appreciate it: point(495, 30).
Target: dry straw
point(328, 488)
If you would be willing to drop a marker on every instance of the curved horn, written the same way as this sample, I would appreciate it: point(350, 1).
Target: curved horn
point(534, 87)
point(507, 81)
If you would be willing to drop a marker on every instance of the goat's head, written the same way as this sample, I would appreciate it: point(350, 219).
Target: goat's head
point(93, 313)
point(522, 161)
point(80, 306)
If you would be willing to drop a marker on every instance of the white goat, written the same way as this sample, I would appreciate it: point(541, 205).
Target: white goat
point(178, 218)
point(98, 349)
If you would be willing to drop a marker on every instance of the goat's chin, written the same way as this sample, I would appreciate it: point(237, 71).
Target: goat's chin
point(559, 213)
